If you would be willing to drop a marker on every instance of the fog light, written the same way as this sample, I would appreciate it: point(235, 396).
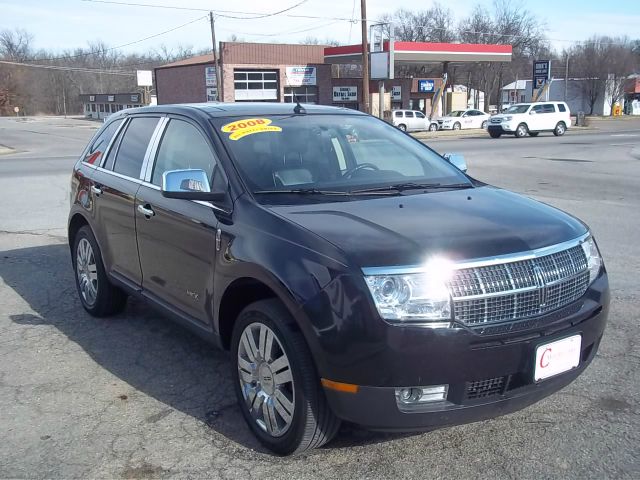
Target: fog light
point(409, 398)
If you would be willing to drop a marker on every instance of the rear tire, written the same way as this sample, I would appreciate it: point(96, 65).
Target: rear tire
point(494, 134)
point(433, 127)
point(521, 131)
point(533, 134)
point(560, 129)
point(402, 127)
point(258, 371)
point(97, 294)
point(484, 125)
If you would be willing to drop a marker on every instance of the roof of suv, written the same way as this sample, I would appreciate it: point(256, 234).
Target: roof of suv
point(245, 108)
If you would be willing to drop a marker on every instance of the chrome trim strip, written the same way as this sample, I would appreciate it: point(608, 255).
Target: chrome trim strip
point(119, 175)
point(482, 262)
point(150, 160)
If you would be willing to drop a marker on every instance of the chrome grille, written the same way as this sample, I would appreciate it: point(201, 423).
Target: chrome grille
point(517, 290)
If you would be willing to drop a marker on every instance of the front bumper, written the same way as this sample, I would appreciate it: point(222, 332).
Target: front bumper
point(501, 127)
point(502, 356)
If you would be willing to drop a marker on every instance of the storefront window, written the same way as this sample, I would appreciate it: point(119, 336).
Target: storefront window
point(305, 94)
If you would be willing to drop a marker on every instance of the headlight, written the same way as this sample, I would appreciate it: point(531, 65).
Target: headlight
point(414, 297)
point(594, 260)
point(507, 118)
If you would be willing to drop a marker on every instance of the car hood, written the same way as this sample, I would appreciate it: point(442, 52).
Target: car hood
point(458, 224)
point(449, 118)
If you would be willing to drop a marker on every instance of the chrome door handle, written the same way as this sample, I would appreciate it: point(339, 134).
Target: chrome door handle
point(147, 212)
point(96, 190)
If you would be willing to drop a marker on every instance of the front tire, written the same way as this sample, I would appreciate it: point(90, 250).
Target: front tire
point(98, 296)
point(276, 383)
point(456, 126)
point(494, 134)
point(560, 129)
point(521, 131)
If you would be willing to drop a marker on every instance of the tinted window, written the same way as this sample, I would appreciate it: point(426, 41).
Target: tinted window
point(399, 114)
point(561, 107)
point(419, 114)
point(408, 114)
point(548, 108)
point(100, 144)
point(518, 108)
point(537, 109)
point(182, 147)
point(134, 145)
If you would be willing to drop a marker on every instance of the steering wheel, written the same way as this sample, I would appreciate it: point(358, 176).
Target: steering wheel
point(363, 166)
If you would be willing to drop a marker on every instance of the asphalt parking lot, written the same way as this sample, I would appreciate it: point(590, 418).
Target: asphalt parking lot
point(138, 397)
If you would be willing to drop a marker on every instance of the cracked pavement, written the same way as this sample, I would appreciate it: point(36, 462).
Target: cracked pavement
point(136, 396)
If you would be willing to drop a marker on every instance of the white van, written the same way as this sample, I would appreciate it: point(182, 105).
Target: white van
point(412, 120)
point(521, 119)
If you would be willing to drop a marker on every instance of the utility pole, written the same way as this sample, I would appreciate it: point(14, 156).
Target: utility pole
point(215, 56)
point(365, 57)
point(566, 77)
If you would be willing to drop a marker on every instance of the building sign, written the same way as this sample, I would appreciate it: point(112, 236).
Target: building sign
point(396, 93)
point(144, 77)
point(135, 98)
point(345, 94)
point(300, 76)
point(210, 77)
point(426, 86)
point(212, 94)
point(541, 73)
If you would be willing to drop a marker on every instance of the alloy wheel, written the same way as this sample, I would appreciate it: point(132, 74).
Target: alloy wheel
point(86, 271)
point(266, 379)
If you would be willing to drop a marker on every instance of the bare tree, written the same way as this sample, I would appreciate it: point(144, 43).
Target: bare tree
point(433, 25)
point(15, 44)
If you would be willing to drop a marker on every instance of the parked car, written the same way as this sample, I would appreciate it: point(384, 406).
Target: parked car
point(412, 120)
point(521, 119)
point(459, 119)
point(352, 276)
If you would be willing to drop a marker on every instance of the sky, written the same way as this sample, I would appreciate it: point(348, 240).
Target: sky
point(66, 24)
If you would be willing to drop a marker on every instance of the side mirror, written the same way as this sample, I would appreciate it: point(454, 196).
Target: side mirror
point(533, 112)
point(457, 160)
point(189, 185)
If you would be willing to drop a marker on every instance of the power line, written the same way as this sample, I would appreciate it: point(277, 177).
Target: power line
point(277, 34)
point(66, 57)
point(219, 13)
point(69, 69)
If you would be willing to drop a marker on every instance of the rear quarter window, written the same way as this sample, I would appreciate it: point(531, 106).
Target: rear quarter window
point(561, 107)
point(96, 150)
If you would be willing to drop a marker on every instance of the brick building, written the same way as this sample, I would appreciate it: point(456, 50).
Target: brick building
point(277, 73)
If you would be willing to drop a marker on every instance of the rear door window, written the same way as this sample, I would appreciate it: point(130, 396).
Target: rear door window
point(548, 108)
point(409, 114)
point(134, 146)
point(96, 150)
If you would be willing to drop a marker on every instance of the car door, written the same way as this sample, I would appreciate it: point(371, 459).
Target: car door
point(467, 120)
point(114, 187)
point(535, 122)
point(421, 121)
point(409, 120)
point(177, 238)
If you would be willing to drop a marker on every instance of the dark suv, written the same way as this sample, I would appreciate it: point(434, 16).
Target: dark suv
point(353, 273)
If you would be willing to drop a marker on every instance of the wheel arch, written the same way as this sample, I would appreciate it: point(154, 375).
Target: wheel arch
point(76, 222)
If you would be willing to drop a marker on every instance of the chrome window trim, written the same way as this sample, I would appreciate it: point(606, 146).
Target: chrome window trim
point(115, 143)
point(150, 160)
point(119, 175)
point(484, 261)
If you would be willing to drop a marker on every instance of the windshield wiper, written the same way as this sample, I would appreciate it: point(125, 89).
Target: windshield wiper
point(316, 191)
point(413, 186)
point(305, 191)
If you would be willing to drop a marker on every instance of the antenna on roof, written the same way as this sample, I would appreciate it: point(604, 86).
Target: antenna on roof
point(298, 109)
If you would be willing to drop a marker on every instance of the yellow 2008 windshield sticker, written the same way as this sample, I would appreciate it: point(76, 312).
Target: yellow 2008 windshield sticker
point(249, 126)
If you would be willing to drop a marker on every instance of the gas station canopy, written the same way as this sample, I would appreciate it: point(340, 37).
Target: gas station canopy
point(422, 52)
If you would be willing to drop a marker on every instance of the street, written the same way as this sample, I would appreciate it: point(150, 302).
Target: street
point(136, 396)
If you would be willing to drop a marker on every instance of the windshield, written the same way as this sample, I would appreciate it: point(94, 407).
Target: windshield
point(518, 108)
point(341, 153)
point(456, 113)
